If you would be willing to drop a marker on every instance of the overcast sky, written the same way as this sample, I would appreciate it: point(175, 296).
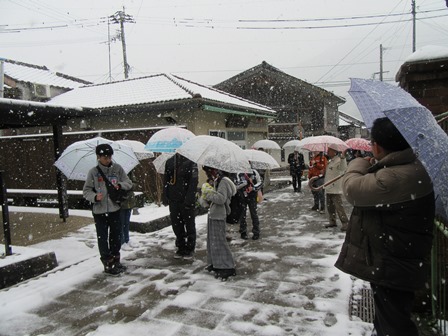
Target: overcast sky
point(324, 42)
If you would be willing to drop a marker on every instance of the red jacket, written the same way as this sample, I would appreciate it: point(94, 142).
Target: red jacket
point(317, 166)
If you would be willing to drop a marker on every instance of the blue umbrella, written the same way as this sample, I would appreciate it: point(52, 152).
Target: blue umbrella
point(376, 99)
point(168, 139)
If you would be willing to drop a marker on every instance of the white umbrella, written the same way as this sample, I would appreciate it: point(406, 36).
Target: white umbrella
point(320, 143)
point(77, 159)
point(215, 152)
point(160, 161)
point(138, 147)
point(266, 144)
point(292, 143)
point(260, 160)
point(167, 140)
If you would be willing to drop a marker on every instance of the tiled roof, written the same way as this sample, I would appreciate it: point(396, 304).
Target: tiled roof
point(147, 90)
point(24, 72)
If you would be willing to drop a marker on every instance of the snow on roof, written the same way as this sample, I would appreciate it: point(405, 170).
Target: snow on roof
point(24, 72)
point(343, 122)
point(211, 93)
point(429, 52)
point(147, 90)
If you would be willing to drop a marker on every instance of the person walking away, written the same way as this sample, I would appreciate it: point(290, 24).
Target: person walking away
point(106, 212)
point(389, 236)
point(248, 186)
point(336, 166)
point(296, 168)
point(179, 193)
point(219, 256)
point(125, 217)
point(316, 172)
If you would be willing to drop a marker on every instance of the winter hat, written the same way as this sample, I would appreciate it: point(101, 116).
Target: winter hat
point(104, 150)
point(334, 146)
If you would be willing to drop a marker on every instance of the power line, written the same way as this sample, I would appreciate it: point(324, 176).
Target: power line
point(338, 26)
point(209, 23)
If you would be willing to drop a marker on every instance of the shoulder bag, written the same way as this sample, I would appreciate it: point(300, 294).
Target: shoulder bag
point(116, 195)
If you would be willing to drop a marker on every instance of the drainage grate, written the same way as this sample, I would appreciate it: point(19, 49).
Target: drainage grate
point(361, 305)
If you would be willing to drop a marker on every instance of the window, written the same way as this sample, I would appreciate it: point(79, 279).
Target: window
point(221, 134)
point(236, 136)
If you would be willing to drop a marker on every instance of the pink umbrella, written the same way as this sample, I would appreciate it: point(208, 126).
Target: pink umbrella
point(320, 143)
point(359, 144)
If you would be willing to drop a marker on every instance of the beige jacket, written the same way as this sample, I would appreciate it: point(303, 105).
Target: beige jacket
point(336, 166)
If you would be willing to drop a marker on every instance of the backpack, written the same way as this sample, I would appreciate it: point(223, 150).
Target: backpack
point(236, 208)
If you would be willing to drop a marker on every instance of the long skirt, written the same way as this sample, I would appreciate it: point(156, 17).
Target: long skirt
point(218, 251)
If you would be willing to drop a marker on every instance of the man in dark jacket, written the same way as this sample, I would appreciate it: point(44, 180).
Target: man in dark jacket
point(296, 168)
point(389, 235)
point(179, 192)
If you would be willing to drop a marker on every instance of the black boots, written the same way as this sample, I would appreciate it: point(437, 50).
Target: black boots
point(224, 273)
point(113, 267)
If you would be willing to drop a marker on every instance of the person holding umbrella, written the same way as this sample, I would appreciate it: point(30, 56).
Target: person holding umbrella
point(333, 191)
point(179, 193)
point(219, 256)
point(106, 212)
point(389, 236)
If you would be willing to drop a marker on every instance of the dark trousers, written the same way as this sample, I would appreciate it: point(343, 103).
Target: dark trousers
point(297, 181)
point(393, 312)
point(184, 227)
point(108, 232)
point(319, 196)
point(251, 202)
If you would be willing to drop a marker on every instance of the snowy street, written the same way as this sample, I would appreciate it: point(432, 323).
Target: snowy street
point(286, 284)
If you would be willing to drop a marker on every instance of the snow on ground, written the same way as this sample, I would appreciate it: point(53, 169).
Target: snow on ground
point(286, 285)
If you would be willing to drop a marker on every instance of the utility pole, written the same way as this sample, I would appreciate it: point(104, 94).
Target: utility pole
point(108, 45)
point(121, 17)
point(381, 62)
point(413, 25)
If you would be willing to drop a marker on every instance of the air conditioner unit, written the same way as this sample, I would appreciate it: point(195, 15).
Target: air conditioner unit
point(41, 91)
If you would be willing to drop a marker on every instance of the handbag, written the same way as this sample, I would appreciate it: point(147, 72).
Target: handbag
point(260, 196)
point(116, 195)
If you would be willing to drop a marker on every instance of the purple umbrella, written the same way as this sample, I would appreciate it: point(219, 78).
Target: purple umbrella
point(415, 122)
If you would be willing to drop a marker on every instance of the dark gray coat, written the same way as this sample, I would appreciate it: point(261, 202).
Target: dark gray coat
point(389, 237)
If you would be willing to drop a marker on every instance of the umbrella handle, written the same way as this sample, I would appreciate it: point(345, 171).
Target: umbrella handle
point(310, 183)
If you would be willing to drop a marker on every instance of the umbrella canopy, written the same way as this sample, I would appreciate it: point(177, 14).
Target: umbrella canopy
point(168, 139)
point(320, 143)
point(416, 123)
point(160, 161)
point(292, 144)
point(359, 144)
point(266, 144)
point(260, 160)
point(77, 159)
point(138, 147)
point(215, 152)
